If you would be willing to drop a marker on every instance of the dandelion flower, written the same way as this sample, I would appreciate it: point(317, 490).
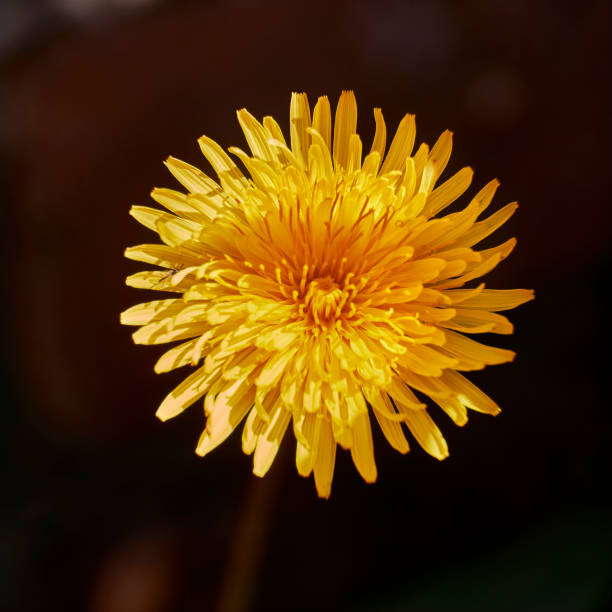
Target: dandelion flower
point(322, 288)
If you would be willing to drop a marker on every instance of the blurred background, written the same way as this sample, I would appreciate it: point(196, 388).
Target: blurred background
point(106, 509)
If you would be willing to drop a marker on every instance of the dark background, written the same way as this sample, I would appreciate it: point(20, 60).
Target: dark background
point(106, 509)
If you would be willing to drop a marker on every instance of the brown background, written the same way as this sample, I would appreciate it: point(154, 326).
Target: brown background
point(106, 509)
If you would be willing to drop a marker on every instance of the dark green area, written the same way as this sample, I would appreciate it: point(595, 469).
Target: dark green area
point(565, 566)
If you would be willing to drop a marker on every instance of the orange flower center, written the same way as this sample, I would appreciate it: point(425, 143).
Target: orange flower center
point(324, 301)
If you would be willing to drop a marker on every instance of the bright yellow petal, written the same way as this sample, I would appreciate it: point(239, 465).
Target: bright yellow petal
point(253, 427)
point(391, 428)
point(454, 408)
point(427, 434)
point(306, 454)
point(493, 299)
point(226, 412)
point(299, 117)
point(326, 459)
point(195, 180)
point(401, 146)
point(229, 175)
point(189, 391)
point(448, 192)
point(255, 135)
point(380, 136)
point(468, 394)
point(440, 152)
point(269, 441)
point(479, 321)
point(322, 121)
point(472, 354)
point(345, 125)
point(362, 450)
point(479, 231)
point(176, 357)
point(141, 314)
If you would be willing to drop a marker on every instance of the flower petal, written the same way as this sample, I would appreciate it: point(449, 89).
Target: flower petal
point(299, 117)
point(185, 394)
point(345, 125)
point(362, 450)
point(480, 230)
point(426, 433)
point(229, 175)
point(469, 394)
point(380, 136)
point(255, 135)
point(326, 458)
point(269, 441)
point(401, 146)
point(321, 120)
point(226, 411)
point(473, 355)
point(448, 192)
point(493, 299)
point(441, 151)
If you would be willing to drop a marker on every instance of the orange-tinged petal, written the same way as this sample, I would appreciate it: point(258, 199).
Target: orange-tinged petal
point(392, 431)
point(426, 433)
point(345, 125)
point(440, 153)
point(322, 121)
point(326, 458)
point(480, 230)
point(380, 137)
point(448, 192)
point(469, 394)
point(362, 450)
point(493, 299)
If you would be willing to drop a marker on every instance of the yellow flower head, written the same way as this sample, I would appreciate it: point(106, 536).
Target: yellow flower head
point(322, 288)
